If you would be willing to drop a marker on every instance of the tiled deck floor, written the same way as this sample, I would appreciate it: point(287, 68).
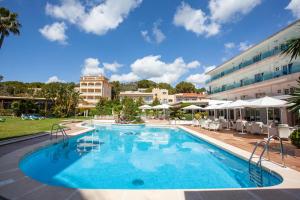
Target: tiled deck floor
point(248, 141)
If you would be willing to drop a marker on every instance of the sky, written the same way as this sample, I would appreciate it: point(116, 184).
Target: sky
point(128, 40)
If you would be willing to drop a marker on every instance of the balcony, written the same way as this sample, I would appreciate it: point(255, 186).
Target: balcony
point(266, 76)
point(246, 63)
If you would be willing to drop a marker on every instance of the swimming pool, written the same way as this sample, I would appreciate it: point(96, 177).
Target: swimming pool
point(141, 157)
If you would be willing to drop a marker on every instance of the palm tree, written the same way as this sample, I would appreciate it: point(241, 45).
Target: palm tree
point(295, 99)
point(293, 49)
point(8, 24)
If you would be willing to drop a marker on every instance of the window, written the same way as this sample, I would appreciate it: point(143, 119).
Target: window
point(257, 58)
point(90, 97)
point(97, 90)
point(290, 66)
point(277, 69)
point(292, 90)
point(83, 90)
point(91, 84)
point(286, 91)
point(284, 70)
point(98, 84)
point(242, 82)
point(243, 96)
point(90, 90)
point(279, 91)
point(259, 95)
point(83, 84)
point(223, 87)
point(164, 93)
point(258, 77)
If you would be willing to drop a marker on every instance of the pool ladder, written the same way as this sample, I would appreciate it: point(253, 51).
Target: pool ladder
point(56, 128)
point(255, 171)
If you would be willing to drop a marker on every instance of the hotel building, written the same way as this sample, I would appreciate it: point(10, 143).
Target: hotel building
point(262, 70)
point(92, 88)
point(259, 71)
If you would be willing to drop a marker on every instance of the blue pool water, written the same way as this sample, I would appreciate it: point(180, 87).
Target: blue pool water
point(140, 157)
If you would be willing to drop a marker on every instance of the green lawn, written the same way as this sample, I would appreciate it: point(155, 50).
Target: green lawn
point(15, 127)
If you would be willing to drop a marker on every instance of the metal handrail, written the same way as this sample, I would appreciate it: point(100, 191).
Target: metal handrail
point(58, 128)
point(257, 144)
point(266, 147)
point(281, 147)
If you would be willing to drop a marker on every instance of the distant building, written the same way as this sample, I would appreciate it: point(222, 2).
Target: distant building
point(135, 95)
point(92, 88)
point(189, 97)
point(162, 95)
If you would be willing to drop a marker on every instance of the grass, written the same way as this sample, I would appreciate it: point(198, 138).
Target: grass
point(16, 127)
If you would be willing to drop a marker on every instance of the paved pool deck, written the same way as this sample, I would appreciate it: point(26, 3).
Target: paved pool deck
point(16, 185)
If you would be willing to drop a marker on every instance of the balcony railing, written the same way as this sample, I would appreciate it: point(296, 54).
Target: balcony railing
point(266, 76)
point(246, 63)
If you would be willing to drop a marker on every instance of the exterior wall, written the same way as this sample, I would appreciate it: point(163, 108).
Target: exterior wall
point(161, 94)
point(188, 97)
point(262, 70)
point(92, 88)
point(135, 95)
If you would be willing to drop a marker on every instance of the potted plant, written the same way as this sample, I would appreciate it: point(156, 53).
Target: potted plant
point(295, 138)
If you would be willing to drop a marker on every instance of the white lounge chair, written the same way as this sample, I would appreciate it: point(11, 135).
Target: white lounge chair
point(215, 126)
point(257, 128)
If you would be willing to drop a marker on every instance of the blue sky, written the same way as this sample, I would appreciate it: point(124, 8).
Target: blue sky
point(128, 40)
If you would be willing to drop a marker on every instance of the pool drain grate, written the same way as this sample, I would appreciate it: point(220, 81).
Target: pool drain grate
point(138, 182)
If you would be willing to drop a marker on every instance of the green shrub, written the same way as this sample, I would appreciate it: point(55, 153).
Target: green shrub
point(197, 116)
point(295, 138)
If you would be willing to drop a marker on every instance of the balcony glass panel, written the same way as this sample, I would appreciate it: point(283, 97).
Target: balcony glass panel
point(251, 61)
point(286, 70)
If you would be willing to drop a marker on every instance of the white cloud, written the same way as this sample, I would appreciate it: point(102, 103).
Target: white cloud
point(55, 32)
point(199, 79)
point(224, 11)
point(93, 18)
point(153, 68)
point(91, 67)
point(157, 36)
point(194, 20)
point(54, 79)
point(69, 10)
point(243, 46)
point(146, 36)
point(112, 66)
point(294, 6)
point(220, 12)
point(193, 64)
point(130, 77)
point(229, 45)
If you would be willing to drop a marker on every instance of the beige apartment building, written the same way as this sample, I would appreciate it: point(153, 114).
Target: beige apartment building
point(163, 96)
point(92, 88)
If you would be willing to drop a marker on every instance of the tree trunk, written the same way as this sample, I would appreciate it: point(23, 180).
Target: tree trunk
point(1, 39)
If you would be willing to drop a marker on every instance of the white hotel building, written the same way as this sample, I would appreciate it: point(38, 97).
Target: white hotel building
point(262, 70)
